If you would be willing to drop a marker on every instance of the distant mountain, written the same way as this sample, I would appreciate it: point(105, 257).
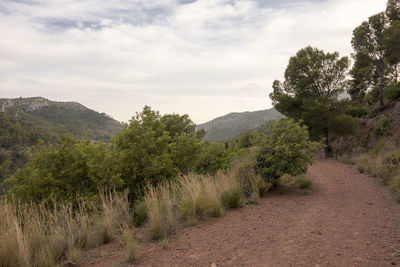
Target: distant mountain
point(25, 121)
point(233, 124)
point(73, 117)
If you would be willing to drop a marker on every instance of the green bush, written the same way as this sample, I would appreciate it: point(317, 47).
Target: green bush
point(213, 157)
point(139, 213)
point(392, 92)
point(356, 110)
point(378, 148)
point(382, 126)
point(64, 171)
point(232, 199)
point(288, 151)
point(305, 183)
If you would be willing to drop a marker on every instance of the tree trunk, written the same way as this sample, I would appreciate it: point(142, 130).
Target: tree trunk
point(381, 85)
point(326, 142)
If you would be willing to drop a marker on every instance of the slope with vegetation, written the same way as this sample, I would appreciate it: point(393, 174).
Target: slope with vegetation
point(233, 124)
point(26, 121)
point(173, 180)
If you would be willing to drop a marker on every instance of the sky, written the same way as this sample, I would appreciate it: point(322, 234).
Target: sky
point(205, 58)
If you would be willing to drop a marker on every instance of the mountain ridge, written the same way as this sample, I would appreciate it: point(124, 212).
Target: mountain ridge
point(233, 124)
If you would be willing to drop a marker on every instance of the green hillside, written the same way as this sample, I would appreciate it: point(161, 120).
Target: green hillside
point(234, 124)
point(26, 121)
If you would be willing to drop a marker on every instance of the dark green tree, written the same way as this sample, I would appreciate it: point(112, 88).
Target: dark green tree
point(152, 149)
point(368, 44)
point(313, 82)
point(393, 10)
point(392, 47)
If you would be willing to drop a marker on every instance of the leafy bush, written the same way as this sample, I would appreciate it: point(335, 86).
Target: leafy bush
point(382, 126)
point(64, 171)
point(356, 110)
point(378, 148)
point(288, 151)
point(139, 213)
point(392, 92)
point(152, 149)
point(213, 157)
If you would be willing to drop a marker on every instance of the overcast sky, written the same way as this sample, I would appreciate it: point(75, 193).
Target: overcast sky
point(205, 58)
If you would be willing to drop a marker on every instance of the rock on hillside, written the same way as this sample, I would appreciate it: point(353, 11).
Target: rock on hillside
point(233, 124)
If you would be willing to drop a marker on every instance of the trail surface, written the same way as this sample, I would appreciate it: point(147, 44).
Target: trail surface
point(348, 220)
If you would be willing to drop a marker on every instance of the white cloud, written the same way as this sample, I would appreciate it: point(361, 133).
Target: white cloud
point(117, 56)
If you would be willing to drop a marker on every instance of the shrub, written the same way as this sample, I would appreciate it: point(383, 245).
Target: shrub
point(382, 126)
point(305, 183)
point(392, 92)
point(288, 151)
point(64, 171)
point(395, 185)
point(213, 157)
point(252, 184)
point(139, 213)
point(378, 148)
point(356, 110)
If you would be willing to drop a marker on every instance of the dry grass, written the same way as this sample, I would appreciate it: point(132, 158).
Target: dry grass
point(36, 235)
point(161, 211)
point(192, 198)
point(131, 245)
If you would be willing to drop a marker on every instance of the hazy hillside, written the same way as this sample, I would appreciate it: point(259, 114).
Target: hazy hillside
point(233, 124)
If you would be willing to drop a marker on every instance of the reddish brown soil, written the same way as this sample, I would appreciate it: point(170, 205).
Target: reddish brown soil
point(348, 220)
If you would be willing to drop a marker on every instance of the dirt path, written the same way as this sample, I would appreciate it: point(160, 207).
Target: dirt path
point(348, 220)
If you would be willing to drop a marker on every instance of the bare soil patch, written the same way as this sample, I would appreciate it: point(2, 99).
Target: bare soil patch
point(348, 219)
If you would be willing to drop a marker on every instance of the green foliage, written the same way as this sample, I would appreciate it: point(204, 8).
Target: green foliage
point(393, 10)
point(288, 151)
point(66, 171)
point(313, 81)
point(213, 157)
point(139, 213)
point(382, 126)
point(392, 92)
point(392, 43)
point(154, 148)
point(378, 148)
point(18, 131)
point(356, 110)
point(370, 66)
point(305, 183)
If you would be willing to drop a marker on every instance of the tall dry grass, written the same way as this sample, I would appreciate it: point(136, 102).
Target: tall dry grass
point(36, 235)
point(195, 197)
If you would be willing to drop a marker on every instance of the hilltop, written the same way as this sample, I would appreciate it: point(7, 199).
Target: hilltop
point(233, 124)
point(73, 117)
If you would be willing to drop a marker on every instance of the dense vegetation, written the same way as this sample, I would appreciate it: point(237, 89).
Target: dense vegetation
point(315, 81)
point(173, 178)
point(160, 172)
point(26, 121)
